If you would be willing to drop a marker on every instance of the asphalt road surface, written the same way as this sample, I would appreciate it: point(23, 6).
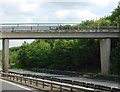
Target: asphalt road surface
point(6, 86)
point(108, 83)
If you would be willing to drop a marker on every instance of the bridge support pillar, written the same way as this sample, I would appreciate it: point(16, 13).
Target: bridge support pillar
point(5, 55)
point(105, 47)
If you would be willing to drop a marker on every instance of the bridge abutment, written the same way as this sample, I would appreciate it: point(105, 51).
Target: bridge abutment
point(5, 55)
point(105, 48)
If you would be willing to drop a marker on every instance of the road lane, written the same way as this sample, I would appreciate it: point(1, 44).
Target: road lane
point(36, 73)
point(6, 86)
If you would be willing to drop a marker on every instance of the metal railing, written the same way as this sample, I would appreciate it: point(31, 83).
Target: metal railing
point(55, 27)
point(51, 83)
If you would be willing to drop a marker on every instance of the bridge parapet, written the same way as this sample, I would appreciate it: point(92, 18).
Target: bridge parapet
point(55, 27)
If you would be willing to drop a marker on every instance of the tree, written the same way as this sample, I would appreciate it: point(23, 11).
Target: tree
point(115, 60)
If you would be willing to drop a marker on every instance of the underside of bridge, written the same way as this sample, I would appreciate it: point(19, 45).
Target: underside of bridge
point(105, 47)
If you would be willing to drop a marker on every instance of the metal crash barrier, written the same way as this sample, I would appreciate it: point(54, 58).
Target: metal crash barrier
point(55, 84)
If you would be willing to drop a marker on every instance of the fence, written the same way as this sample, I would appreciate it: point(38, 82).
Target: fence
point(55, 27)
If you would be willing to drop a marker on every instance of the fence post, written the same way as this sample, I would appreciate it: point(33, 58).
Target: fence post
point(71, 89)
point(58, 28)
point(30, 81)
point(51, 86)
point(13, 77)
point(20, 79)
point(36, 82)
point(25, 80)
point(12, 29)
point(60, 88)
point(17, 26)
point(10, 77)
point(78, 27)
point(2, 75)
point(43, 84)
point(98, 27)
point(118, 27)
point(17, 78)
point(37, 27)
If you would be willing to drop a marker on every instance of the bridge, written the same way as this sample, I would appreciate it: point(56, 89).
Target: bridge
point(59, 31)
point(56, 30)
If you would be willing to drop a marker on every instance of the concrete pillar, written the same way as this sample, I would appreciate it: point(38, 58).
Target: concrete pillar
point(5, 55)
point(105, 47)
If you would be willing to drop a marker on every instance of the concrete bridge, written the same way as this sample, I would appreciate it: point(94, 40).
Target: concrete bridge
point(59, 31)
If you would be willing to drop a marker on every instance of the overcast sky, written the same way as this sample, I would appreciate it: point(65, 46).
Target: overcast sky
point(32, 11)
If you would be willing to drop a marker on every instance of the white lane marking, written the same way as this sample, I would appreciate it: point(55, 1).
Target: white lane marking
point(15, 84)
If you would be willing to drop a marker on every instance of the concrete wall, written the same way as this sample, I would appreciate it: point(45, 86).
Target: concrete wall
point(35, 35)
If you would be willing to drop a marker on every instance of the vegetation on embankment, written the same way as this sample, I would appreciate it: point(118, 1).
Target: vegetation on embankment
point(58, 54)
point(62, 54)
point(68, 54)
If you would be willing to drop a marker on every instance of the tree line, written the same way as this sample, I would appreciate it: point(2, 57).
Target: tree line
point(68, 54)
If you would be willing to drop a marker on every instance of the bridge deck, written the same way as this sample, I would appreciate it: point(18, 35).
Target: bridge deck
point(56, 30)
point(35, 35)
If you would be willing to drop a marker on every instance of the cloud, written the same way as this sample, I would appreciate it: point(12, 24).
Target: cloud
point(86, 14)
point(16, 42)
point(29, 7)
point(62, 13)
point(53, 10)
point(19, 10)
point(76, 14)
point(97, 3)
point(102, 3)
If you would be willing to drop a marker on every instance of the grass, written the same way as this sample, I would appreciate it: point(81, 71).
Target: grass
point(19, 69)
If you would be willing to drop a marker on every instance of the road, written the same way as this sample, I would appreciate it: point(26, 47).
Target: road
point(94, 81)
point(36, 73)
point(82, 79)
point(6, 86)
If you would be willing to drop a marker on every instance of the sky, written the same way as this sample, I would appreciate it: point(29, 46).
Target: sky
point(60, 11)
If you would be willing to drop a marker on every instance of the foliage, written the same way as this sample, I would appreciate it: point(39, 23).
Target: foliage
point(34, 54)
point(68, 54)
point(115, 60)
point(115, 17)
point(60, 54)
point(14, 57)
